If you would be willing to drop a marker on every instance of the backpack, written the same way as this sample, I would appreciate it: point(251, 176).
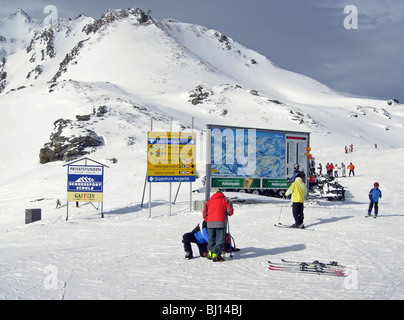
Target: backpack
point(229, 244)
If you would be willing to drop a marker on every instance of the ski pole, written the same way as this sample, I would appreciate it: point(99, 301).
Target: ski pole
point(379, 207)
point(280, 213)
point(228, 229)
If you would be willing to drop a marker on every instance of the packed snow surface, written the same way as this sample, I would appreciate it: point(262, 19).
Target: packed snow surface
point(144, 71)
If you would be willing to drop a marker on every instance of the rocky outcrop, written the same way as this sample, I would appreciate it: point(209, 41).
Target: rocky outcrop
point(68, 59)
point(199, 95)
point(113, 15)
point(3, 75)
point(67, 147)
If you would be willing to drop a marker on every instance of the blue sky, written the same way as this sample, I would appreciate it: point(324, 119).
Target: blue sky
point(308, 37)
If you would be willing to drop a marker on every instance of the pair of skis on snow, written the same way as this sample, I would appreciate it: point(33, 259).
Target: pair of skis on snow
point(316, 267)
point(280, 225)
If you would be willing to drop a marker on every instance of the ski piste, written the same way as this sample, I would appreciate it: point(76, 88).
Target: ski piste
point(332, 268)
point(280, 225)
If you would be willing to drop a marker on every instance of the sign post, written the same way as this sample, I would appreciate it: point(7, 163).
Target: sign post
point(171, 157)
point(85, 183)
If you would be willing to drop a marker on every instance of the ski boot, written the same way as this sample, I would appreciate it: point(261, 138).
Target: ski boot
point(218, 258)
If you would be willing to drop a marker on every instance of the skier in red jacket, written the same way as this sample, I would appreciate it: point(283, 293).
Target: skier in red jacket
point(215, 214)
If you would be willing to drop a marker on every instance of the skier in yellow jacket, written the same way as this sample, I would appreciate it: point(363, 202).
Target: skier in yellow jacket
point(298, 190)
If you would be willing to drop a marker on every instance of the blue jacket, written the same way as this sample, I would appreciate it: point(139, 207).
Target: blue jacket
point(295, 173)
point(201, 233)
point(375, 194)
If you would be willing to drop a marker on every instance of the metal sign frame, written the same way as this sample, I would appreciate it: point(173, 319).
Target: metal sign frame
point(170, 164)
point(85, 183)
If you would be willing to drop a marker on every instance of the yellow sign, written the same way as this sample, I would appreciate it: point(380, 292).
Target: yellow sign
point(85, 196)
point(171, 157)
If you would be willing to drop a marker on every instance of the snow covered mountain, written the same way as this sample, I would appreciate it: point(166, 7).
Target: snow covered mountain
point(16, 31)
point(90, 87)
point(165, 67)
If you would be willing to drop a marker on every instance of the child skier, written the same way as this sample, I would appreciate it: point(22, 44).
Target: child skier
point(374, 196)
point(199, 236)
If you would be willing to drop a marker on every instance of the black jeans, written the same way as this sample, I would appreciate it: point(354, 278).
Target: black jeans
point(376, 204)
point(298, 213)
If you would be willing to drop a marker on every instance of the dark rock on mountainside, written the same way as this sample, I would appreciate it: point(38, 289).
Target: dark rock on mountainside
point(67, 148)
point(113, 15)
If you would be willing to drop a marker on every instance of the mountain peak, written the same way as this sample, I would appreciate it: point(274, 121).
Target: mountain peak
point(20, 13)
point(112, 15)
point(116, 14)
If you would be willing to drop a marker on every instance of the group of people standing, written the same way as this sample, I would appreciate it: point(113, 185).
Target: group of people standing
point(210, 234)
point(349, 149)
point(334, 170)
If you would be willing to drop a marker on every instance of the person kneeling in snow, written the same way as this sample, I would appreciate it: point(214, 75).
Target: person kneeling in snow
point(199, 236)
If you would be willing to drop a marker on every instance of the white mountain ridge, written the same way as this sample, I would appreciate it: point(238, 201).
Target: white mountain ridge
point(106, 79)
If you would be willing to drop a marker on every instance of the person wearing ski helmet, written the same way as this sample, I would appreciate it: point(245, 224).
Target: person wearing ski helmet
point(296, 171)
point(374, 195)
point(298, 190)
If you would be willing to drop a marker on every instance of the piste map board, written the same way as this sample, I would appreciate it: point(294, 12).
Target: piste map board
point(171, 157)
point(255, 158)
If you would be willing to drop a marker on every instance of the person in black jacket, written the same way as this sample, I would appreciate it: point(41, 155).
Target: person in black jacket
point(199, 236)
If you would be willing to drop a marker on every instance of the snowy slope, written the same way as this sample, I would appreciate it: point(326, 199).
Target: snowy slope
point(150, 69)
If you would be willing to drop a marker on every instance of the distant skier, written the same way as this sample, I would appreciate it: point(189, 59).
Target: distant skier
point(320, 168)
point(351, 168)
point(216, 213)
point(343, 169)
point(374, 195)
point(199, 236)
point(58, 204)
point(336, 171)
point(298, 190)
point(329, 167)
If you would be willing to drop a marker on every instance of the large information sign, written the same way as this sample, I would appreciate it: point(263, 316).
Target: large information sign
point(255, 158)
point(171, 157)
point(85, 183)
